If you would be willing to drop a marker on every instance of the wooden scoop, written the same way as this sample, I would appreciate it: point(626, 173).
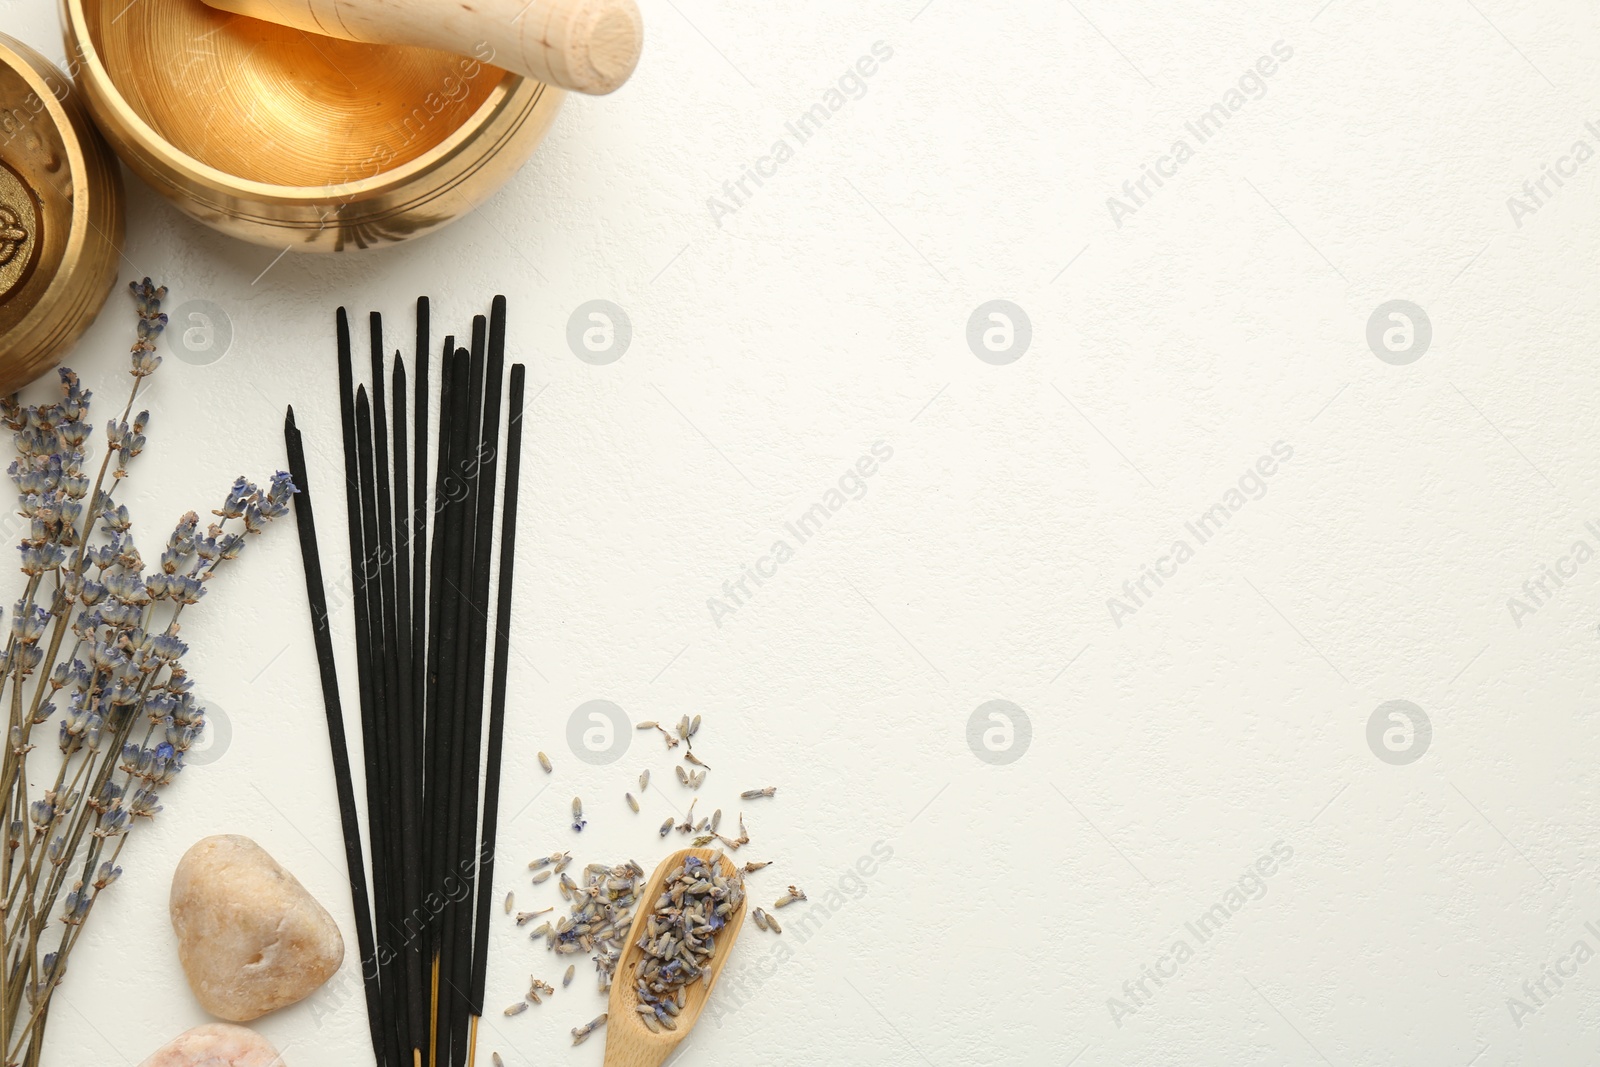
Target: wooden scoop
point(588, 46)
point(629, 1043)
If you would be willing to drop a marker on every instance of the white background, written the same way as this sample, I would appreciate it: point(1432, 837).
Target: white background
point(829, 312)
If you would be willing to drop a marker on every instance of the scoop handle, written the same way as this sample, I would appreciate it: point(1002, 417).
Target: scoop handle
point(588, 46)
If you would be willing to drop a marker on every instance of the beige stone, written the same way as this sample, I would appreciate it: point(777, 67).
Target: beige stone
point(251, 939)
point(216, 1045)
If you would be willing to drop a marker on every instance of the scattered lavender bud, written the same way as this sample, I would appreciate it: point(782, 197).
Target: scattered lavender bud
point(600, 918)
point(794, 894)
point(580, 1034)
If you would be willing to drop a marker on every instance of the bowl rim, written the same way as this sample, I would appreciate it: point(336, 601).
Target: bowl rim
point(149, 140)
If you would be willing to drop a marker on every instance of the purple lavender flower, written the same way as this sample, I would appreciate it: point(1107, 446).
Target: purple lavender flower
point(124, 656)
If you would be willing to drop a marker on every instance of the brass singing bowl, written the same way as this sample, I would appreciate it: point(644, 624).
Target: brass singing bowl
point(60, 216)
point(294, 140)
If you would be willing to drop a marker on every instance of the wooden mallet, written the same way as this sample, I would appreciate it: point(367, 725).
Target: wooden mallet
point(588, 46)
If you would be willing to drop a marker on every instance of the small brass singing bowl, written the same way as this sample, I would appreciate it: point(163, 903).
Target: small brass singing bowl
point(293, 140)
point(60, 216)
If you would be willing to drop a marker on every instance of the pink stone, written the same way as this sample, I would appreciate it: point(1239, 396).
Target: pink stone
point(216, 1045)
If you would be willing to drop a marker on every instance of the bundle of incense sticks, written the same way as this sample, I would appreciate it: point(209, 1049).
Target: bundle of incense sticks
point(421, 572)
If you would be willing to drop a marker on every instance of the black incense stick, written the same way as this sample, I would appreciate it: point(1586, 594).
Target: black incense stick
point(385, 833)
point(497, 692)
point(419, 627)
point(434, 773)
point(477, 591)
point(316, 595)
point(466, 729)
point(385, 1024)
point(419, 524)
point(389, 713)
point(467, 756)
point(397, 684)
point(410, 774)
point(452, 714)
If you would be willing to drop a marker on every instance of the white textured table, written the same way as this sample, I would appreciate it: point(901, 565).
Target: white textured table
point(1210, 727)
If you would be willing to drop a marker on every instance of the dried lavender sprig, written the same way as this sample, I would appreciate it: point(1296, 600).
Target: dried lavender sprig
point(130, 668)
point(52, 487)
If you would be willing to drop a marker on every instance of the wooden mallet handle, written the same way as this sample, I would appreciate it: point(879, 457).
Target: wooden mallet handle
point(588, 46)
